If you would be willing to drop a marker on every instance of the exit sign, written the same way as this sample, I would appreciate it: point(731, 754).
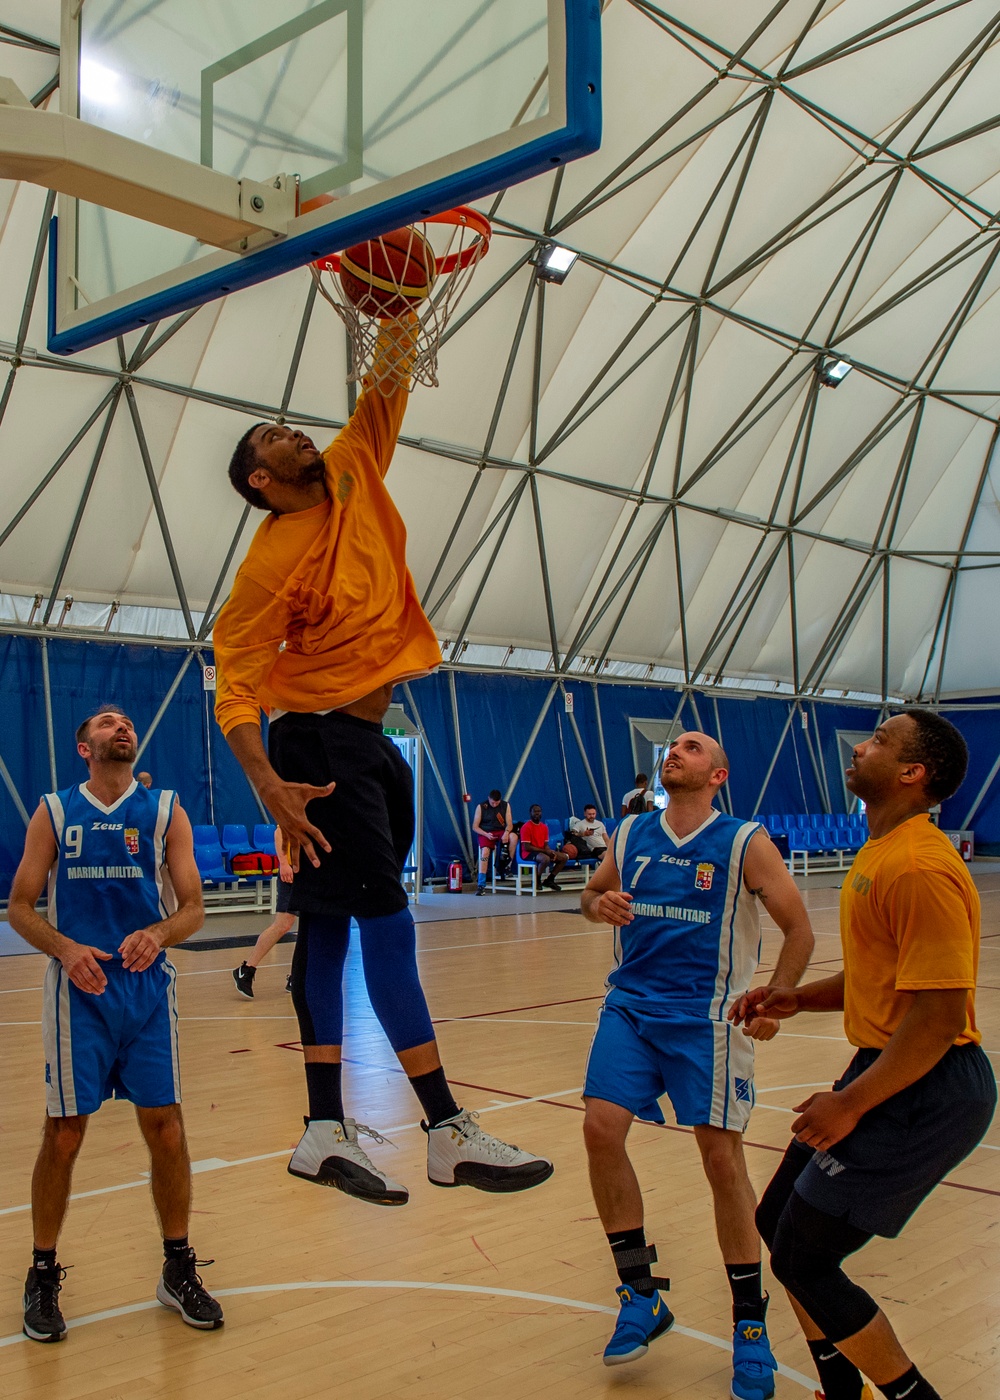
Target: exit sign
point(401, 733)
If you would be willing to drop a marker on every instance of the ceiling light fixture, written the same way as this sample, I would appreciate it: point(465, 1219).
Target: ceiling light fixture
point(553, 262)
point(832, 371)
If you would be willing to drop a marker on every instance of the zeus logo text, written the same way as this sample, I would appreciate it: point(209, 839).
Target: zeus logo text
point(106, 826)
point(673, 860)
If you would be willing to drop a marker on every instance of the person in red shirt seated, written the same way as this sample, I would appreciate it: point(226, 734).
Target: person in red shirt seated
point(535, 846)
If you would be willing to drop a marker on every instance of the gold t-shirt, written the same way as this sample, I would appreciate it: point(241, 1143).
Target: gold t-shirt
point(909, 921)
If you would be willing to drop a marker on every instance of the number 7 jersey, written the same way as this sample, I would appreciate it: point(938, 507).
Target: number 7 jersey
point(109, 877)
point(694, 942)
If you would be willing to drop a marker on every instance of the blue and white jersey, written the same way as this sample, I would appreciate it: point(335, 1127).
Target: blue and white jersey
point(694, 942)
point(109, 877)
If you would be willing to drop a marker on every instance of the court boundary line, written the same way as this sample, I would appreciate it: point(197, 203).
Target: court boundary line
point(522, 1295)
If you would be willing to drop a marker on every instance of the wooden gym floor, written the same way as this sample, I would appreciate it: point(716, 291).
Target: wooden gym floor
point(459, 1293)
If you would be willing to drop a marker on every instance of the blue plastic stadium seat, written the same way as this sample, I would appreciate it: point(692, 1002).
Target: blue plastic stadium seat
point(843, 821)
point(234, 841)
point(263, 838)
point(205, 836)
point(211, 862)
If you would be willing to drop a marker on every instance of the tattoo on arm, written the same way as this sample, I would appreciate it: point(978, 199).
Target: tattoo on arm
point(759, 892)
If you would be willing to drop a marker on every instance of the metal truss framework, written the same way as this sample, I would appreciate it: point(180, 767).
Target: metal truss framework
point(654, 519)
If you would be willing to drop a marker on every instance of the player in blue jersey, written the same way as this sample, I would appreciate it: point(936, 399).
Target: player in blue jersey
point(681, 888)
point(118, 859)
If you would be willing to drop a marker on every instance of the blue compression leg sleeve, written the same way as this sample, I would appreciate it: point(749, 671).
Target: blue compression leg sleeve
point(389, 955)
point(318, 976)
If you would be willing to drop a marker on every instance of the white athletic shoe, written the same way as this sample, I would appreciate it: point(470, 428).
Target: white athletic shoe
point(459, 1153)
point(329, 1154)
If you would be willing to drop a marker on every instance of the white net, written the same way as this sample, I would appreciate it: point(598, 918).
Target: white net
point(458, 239)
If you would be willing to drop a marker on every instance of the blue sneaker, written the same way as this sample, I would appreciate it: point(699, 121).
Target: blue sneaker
point(753, 1363)
point(643, 1316)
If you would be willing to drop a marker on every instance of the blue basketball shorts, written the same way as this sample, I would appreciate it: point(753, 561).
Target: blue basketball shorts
point(121, 1044)
point(705, 1067)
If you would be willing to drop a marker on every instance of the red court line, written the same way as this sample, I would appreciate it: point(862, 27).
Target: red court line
point(508, 1011)
point(689, 1132)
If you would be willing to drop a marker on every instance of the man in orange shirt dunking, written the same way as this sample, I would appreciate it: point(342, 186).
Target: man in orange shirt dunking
point(323, 620)
point(919, 1094)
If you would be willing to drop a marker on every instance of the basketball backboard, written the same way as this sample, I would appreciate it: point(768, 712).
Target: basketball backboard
point(396, 108)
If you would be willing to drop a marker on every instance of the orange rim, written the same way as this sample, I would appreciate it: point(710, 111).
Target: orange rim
point(462, 217)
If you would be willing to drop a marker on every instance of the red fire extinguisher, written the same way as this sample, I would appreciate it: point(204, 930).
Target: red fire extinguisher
point(455, 877)
point(966, 850)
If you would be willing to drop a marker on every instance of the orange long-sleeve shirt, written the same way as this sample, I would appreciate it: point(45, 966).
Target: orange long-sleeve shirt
point(331, 583)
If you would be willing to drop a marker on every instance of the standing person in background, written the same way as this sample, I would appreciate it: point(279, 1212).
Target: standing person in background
point(322, 621)
point(494, 828)
point(535, 846)
point(638, 799)
point(919, 1094)
point(123, 886)
point(146, 779)
point(680, 888)
point(282, 923)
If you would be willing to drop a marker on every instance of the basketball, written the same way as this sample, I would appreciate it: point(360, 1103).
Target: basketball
point(388, 276)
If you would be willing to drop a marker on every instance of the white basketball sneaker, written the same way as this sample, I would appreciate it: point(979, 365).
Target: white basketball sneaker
point(329, 1154)
point(459, 1153)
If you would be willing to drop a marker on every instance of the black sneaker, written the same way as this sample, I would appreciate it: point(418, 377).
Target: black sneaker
point(243, 977)
point(288, 983)
point(181, 1288)
point(480, 889)
point(43, 1322)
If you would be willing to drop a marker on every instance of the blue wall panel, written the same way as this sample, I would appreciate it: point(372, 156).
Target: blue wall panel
point(496, 716)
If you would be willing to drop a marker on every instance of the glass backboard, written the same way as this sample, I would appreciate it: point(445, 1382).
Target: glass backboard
point(396, 108)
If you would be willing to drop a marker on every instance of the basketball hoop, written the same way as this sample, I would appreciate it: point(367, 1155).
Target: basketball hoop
point(458, 239)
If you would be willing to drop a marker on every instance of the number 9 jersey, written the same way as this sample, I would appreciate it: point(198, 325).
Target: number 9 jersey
point(109, 877)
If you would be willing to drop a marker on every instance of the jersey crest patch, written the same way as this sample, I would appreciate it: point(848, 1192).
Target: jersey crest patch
point(132, 840)
point(704, 875)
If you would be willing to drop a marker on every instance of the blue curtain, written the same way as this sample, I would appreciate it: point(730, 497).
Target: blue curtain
point(496, 716)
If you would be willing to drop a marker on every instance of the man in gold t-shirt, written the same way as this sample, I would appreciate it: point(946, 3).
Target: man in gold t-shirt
point(919, 1094)
point(322, 621)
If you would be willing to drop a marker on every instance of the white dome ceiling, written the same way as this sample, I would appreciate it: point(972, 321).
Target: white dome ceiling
point(637, 471)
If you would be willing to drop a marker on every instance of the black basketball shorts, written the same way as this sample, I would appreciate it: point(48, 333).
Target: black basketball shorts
point(367, 819)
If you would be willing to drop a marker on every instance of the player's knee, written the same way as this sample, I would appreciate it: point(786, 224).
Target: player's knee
point(64, 1136)
point(163, 1130)
point(723, 1164)
point(603, 1131)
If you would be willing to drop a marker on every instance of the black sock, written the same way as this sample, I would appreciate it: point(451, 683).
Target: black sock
point(176, 1249)
point(748, 1304)
point(325, 1097)
point(839, 1378)
point(435, 1096)
point(911, 1385)
point(44, 1260)
point(626, 1245)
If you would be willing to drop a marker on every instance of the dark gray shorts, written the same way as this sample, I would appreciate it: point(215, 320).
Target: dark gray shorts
point(900, 1150)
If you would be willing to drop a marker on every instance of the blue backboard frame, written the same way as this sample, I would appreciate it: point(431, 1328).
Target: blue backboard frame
point(579, 135)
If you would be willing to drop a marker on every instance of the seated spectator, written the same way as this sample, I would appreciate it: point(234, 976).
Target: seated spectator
point(588, 835)
point(535, 846)
point(639, 799)
point(282, 923)
point(494, 830)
